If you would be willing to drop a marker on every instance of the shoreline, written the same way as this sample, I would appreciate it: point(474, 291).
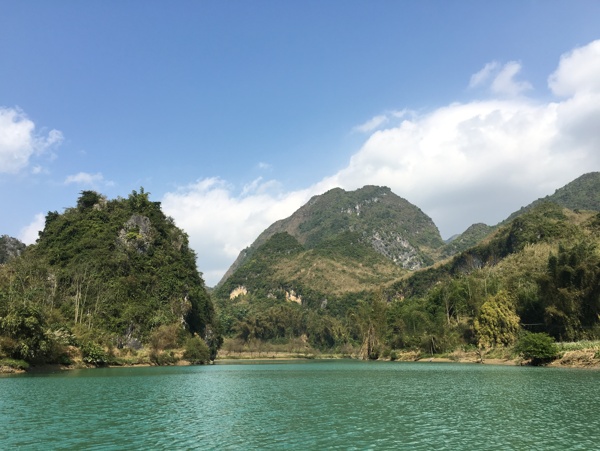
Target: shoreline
point(580, 359)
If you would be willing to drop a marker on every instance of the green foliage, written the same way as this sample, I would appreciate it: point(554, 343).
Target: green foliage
point(570, 291)
point(166, 336)
point(520, 277)
point(93, 354)
point(196, 350)
point(88, 199)
point(16, 364)
point(469, 238)
point(497, 323)
point(23, 333)
point(580, 194)
point(537, 347)
point(163, 358)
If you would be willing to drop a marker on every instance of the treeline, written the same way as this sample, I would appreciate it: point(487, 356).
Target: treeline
point(539, 273)
point(104, 275)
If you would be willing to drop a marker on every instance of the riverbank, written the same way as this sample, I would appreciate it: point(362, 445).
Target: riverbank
point(581, 357)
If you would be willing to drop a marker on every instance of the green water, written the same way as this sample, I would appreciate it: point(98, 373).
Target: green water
point(304, 405)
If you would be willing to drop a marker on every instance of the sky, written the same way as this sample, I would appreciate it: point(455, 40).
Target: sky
point(233, 114)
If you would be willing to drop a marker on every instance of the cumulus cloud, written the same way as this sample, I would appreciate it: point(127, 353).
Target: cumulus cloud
point(461, 163)
point(87, 179)
point(19, 140)
point(29, 234)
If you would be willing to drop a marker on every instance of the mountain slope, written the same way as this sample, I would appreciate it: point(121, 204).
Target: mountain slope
point(583, 193)
point(389, 224)
point(339, 266)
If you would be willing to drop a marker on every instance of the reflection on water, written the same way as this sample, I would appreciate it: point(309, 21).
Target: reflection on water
point(303, 405)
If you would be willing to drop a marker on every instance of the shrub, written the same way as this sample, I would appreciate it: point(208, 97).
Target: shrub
point(93, 354)
point(162, 358)
point(165, 337)
point(539, 348)
point(196, 350)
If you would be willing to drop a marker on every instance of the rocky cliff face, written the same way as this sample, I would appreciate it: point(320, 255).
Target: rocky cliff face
point(10, 247)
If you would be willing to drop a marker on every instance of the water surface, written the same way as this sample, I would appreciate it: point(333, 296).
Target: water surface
point(303, 405)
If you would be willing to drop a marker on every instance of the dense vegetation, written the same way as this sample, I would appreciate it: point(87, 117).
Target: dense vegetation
point(104, 276)
point(538, 273)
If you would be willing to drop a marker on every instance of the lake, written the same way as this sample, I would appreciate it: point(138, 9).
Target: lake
point(305, 405)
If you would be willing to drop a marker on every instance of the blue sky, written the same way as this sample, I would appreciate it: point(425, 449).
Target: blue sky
point(234, 113)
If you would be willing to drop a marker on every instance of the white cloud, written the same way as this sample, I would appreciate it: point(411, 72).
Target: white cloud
point(19, 141)
point(501, 79)
point(264, 166)
point(221, 222)
point(461, 163)
point(372, 124)
point(505, 83)
point(37, 169)
point(578, 72)
point(87, 179)
point(483, 75)
point(29, 233)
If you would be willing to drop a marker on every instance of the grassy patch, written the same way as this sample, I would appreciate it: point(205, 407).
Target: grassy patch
point(583, 345)
point(15, 364)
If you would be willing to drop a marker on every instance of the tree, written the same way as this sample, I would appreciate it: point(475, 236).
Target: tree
point(371, 319)
point(88, 199)
point(196, 350)
point(539, 348)
point(497, 322)
point(23, 333)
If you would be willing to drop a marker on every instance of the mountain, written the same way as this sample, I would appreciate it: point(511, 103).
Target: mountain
point(470, 237)
point(116, 273)
point(387, 223)
point(10, 247)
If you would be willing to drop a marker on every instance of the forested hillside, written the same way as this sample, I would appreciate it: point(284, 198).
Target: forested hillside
point(105, 274)
point(538, 272)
